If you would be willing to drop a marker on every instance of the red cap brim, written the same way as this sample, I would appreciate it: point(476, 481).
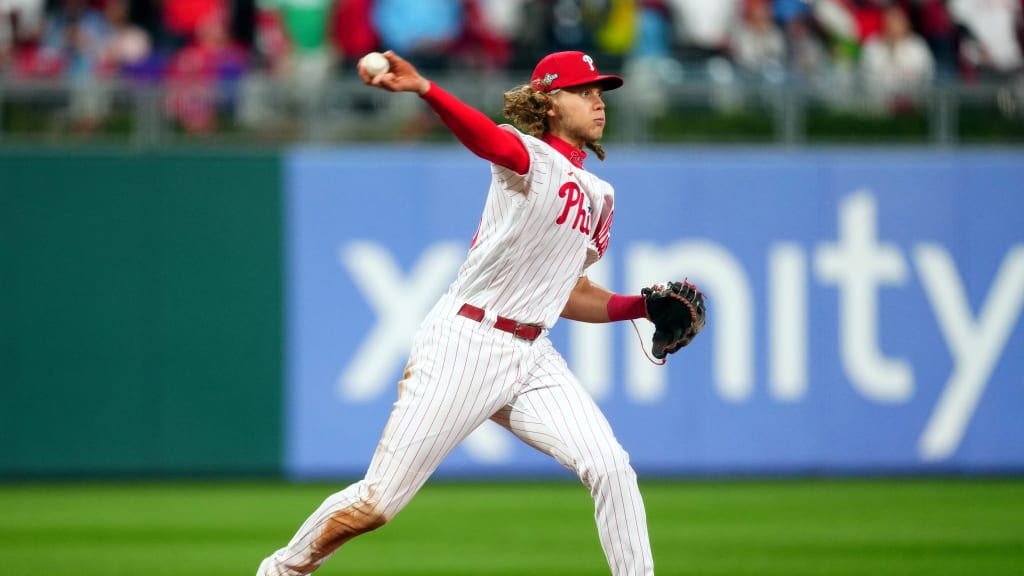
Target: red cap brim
point(610, 82)
point(607, 82)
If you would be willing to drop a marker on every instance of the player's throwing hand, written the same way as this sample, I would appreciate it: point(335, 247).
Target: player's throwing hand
point(401, 76)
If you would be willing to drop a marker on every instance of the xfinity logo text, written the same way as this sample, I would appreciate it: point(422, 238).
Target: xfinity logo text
point(858, 268)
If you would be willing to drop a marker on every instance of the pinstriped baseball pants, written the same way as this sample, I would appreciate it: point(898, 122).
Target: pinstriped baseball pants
point(460, 374)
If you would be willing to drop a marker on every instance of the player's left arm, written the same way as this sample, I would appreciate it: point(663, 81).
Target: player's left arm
point(590, 302)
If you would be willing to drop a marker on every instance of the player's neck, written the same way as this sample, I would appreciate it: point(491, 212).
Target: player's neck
point(575, 154)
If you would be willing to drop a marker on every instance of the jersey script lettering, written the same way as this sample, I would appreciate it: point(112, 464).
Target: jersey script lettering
point(575, 198)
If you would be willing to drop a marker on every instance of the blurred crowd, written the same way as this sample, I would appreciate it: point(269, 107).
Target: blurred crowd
point(890, 50)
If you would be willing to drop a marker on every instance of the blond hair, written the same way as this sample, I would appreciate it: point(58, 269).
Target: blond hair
point(528, 108)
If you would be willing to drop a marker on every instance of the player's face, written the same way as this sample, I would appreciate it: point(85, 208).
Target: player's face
point(578, 114)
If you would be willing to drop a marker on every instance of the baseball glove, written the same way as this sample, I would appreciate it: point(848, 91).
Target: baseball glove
point(678, 313)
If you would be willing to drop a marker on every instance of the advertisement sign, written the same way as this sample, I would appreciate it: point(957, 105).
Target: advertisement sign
point(864, 308)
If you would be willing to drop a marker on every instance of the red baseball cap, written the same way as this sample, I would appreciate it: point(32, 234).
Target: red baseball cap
point(565, 69)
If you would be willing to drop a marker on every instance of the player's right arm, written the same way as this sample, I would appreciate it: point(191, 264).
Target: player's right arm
point(473, 128)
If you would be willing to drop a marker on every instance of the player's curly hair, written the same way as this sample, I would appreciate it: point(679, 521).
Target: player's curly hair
point(528, 107)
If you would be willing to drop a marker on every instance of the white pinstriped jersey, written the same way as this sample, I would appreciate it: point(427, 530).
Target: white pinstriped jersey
point(538, 233)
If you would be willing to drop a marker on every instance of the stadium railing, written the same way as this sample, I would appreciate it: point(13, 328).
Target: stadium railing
point(258, 111)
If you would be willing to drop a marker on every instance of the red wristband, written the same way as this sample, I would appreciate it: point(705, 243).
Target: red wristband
point(626, 307)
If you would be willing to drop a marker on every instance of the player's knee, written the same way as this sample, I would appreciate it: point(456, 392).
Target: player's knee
point(613, 463)
point(359, 517)
point(363, 516)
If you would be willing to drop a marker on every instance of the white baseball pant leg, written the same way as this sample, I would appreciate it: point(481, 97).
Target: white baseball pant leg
point(556, 415)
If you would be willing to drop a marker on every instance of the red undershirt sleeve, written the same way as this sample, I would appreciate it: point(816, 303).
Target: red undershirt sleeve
point(477, 132)
point(626, 307)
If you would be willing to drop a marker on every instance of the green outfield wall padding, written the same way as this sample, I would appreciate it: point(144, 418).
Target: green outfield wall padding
point(140, 313)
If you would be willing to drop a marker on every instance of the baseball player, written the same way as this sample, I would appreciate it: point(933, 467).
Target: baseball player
point(483, 352)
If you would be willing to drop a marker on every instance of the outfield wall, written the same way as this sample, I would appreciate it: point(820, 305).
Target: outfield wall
point(140, 316)
point(864, 307)
point(222, 313)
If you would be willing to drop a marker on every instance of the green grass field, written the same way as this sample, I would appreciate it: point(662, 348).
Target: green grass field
point(748, 527)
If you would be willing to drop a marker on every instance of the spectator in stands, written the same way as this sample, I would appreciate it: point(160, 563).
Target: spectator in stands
point(242, 22)
point(126, 45)
point(654, 35)
point(932, 20)
point(701, 27)
point(786, 10)
point(616, 34)
point(989, 46)
point(702, 31)
point(423, 31)
point(502, 23)
point(757, 44)
point(848, 23)
point(651, 64)
point(21, 22)
point(70, 40)
point(896, 66)
point(73, 41)
point(259, 105)
point(310, 57)
point(201, 77)
point(842, 34)
point(483, 42)
point(181, 20)
point(531, 36)
point(806, 54)
point(870, 17)
point(571, 24)
point(298, 61)
point(6, 39)
point(353, 32)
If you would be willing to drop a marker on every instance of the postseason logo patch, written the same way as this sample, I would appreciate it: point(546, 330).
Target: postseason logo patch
point(548, 79)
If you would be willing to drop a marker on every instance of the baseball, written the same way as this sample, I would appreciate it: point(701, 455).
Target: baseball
point(374, 64)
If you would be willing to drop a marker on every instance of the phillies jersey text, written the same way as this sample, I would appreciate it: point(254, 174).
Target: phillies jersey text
point(538, 233)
